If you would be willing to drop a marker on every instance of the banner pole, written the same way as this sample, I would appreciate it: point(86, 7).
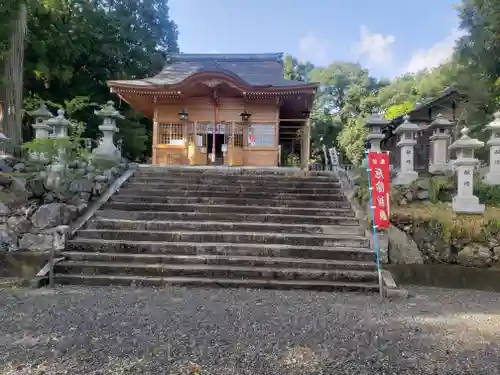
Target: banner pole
point(374, 228)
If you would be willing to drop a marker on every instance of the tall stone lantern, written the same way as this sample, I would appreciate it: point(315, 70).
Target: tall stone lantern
point(375, 123)
point(407, 132)
point(60, 126)
point(107, 149)
point(493, 175)
point(465, 201)
point(41, 115)
point(440, 138)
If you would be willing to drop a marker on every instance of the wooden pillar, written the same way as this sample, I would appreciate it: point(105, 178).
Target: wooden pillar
point(277, 132)
point(155, 136)
point(306, 145)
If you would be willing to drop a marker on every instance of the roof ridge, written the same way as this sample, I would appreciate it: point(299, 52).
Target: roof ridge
point(174, 57)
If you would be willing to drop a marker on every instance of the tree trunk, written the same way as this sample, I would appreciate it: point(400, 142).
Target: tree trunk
point(11, 91)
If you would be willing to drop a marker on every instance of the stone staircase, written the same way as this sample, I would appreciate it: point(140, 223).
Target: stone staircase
point(223, 227)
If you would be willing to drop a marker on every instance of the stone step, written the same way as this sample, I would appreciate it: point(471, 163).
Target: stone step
point(80, 244)
point(95, 280)
point(213, 208)
point(218, 226)
point(292, 203)
point(153, 188)
point(228, 180)
point(215, 193)
point(213, 271)
point(319, 175)
point(234, 177)
point(337, 240)
point(227, 260)
point(229, 217)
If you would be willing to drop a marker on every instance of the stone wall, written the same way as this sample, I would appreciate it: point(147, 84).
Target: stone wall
point(472, 241)
point(36, 211)
point(426, 230)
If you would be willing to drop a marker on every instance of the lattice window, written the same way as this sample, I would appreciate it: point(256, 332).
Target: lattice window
point(170, 134)
point(261, 134)
point(238, 135)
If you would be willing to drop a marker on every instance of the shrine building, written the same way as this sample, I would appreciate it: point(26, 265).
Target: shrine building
point(224, 109)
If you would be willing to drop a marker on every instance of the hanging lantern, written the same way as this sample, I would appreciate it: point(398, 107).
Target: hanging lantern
point(245, 116)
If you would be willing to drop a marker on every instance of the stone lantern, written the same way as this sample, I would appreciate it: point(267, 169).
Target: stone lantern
point(465, 201)
point(493, 175)
point(59, 125)
point(107, 149)
point(375, 124)
point(41, 115)
point(407, 132)
point(440, 127)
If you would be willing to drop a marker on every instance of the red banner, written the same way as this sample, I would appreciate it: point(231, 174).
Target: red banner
point(378, 169)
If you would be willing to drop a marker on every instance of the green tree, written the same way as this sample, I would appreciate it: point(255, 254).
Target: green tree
point(295, 70)
point(75, 46)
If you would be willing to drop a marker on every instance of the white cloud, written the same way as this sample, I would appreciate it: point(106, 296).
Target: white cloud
point(377, 48)
point(435, 55)
point(313, 49)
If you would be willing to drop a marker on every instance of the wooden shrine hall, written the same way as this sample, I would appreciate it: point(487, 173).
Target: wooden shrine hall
point(226, 109)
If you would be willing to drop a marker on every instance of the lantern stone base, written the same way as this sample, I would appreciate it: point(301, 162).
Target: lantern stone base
point(467, 205)
point(492, 178)
point(405, 178)
point(107, 153)
point(439, 168)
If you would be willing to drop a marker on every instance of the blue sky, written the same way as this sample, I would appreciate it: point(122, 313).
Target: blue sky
point(389, 37)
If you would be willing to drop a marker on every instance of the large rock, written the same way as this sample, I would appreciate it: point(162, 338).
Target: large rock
point(19, 224)
point(36, 242)
point(5, 181)
point(19, 167)
point(5, 167)
point(8, 241)
point(475, 255)
point(4, 210)
point(53, 214)
point(51, 239)
point(496, 254)
point(402, 249)
point(81, 186)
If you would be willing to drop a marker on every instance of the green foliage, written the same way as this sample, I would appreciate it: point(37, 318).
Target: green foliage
point(487, 194)
point(135, 137)
point(292, 160)
point(70, 147)
point(351, 140)
point(399, 109)
point(440, 186)
point(295, 70)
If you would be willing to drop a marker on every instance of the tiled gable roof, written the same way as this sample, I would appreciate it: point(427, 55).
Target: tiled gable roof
point(255, 69)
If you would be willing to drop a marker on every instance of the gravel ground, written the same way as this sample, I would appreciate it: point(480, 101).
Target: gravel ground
point(176, 331)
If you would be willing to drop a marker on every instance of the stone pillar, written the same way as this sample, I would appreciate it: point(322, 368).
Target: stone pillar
point(440, 138)
point(407, 132)
point(493, 175)
point(107, 149)
point(41, 115)
point(465, 201)
point(375, 124)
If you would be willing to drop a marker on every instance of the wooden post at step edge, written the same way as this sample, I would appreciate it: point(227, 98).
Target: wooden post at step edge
point(307, 145)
